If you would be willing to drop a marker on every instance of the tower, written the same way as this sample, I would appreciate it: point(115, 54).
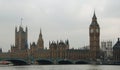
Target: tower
point(40, 42)
point(21, 38)
point(94, 34)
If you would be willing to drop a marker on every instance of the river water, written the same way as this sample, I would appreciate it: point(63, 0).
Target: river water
point(61, 67)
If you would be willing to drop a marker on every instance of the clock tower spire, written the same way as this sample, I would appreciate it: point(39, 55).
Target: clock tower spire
point(94, 34)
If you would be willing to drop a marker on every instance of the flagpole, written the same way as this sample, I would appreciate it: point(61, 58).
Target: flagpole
point(21, 21)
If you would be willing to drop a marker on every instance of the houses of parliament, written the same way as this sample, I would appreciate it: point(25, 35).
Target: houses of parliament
point(57, 50)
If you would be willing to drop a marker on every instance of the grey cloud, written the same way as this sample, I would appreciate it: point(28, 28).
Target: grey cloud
point(59, 19)
point(112, 9)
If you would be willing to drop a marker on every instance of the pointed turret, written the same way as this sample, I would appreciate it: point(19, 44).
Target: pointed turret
point(40, 43)
point(40, 35)
point(94, 20)
point(94, 16)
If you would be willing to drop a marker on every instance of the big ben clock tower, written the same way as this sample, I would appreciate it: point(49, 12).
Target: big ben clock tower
point(94, 33)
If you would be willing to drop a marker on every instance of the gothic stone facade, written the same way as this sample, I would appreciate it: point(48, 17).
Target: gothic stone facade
point(61, 50)
point(20, 49)
point(57, 50)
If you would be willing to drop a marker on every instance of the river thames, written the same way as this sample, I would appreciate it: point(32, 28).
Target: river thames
point(61, 67)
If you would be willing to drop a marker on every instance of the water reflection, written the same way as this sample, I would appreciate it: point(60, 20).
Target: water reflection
point(62, 67)
point(94, 67)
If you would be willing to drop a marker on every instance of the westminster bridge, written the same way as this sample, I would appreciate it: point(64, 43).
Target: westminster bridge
point(40, 61)
point(23, 58)
point(20, 61)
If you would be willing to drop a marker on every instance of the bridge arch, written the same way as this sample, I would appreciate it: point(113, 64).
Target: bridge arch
point(65, 61)
point(44, 62)
point(17, 61)
point(81, 62)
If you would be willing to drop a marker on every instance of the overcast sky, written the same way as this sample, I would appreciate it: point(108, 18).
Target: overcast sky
point(59, 20)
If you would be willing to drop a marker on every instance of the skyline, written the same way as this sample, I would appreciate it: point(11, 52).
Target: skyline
point(59, 20)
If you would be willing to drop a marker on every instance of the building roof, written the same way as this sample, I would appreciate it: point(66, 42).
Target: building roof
point(117, 45)
point(94, 20)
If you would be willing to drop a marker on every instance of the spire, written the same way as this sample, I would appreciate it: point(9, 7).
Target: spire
point(94, 19)
point(40, 33)
point(40, 42)
point(94, 15)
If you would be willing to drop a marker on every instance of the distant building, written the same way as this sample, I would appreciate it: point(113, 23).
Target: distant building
point(57, 50)
point(60, 49)
point(107, 48)
point(21, 38)
point(94, 33)
point(116, 51)
point(20, 49)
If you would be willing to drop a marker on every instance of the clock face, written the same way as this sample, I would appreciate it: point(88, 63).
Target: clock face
point(97, 30)
point(91, 31)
